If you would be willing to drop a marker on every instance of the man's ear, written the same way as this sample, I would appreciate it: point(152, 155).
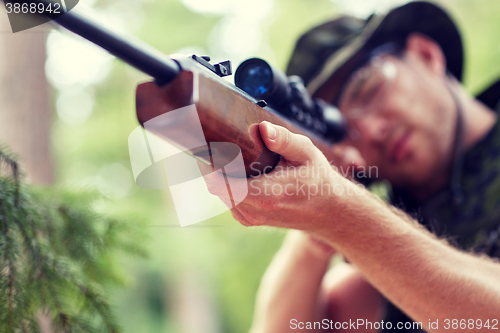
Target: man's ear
point(427, 51)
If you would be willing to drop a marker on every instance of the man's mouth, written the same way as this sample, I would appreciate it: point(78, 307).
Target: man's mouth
point(399, 148)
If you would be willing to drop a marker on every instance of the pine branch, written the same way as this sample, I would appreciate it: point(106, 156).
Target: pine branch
point(57, 253)
point(10, 270)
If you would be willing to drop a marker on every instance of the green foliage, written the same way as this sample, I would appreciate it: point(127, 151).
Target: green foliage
point(57, 256)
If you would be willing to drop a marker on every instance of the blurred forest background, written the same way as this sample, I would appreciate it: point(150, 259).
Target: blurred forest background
point(201, 278)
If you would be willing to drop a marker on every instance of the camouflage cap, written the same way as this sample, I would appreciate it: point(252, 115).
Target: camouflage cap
point(325, 55)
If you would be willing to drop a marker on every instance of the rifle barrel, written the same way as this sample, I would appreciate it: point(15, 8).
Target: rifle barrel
point(137, 54)
point(151, 62)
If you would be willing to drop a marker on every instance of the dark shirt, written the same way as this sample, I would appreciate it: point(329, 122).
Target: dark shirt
point(473, 221)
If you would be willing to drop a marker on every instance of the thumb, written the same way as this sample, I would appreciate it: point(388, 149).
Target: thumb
point(292, 147)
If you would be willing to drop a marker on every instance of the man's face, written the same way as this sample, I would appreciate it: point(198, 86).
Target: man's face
point(402, 119)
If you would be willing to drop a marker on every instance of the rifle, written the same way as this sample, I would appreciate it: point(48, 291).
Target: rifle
point(226, 112)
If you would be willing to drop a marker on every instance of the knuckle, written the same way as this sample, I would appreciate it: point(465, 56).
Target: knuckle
point(238, 217)
point(217, 186)
point(254, 218)
point(217, 190)
point(267, 204)
point(306, 141)
point(287, 139)
point(272, 203)
point(212, 188)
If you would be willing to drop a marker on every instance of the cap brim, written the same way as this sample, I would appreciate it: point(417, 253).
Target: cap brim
point(420, 17)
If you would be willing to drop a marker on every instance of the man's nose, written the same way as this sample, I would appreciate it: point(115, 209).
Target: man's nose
point(375, 128)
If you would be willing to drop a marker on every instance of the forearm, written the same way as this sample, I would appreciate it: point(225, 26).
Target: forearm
point(422, 275)
point(290, 287)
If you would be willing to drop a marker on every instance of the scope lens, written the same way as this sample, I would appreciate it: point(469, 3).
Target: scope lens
point(256, 78)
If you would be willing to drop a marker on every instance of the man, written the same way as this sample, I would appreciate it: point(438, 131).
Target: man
point(396, 79)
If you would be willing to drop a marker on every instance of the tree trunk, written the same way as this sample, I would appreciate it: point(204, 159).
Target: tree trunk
point(25, 116)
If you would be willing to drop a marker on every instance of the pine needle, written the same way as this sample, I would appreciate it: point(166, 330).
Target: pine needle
point(57, 256)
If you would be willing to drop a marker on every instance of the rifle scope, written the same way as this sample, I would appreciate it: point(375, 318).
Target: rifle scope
point(289, 96)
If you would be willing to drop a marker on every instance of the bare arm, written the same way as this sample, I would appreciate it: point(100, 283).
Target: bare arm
point(419, 273)
point(291, 285)
point(294, 290)
point(422, 275)
point(350, 297)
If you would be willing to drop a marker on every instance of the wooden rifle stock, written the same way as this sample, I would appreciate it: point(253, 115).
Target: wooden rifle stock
point(226, 115)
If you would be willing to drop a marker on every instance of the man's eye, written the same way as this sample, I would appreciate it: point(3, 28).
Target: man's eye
point(355, 86)
point(368, 92)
